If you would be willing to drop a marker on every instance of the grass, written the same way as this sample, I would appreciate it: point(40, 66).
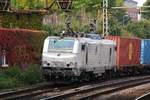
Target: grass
point(15, 77)
point(6, 82)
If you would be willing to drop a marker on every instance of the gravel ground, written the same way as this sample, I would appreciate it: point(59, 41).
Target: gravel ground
point(127, 94)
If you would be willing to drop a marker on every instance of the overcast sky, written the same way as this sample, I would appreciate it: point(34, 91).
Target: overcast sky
point(140, 2)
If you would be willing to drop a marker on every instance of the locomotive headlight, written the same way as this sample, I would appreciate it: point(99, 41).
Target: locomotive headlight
point(45, 63)
point(69, 64)
point(48, 64)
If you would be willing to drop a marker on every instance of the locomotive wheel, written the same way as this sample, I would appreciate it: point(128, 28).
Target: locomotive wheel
point(84, 77)
point(92, 76)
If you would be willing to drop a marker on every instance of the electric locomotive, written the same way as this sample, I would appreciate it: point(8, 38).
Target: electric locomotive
point(77, 58)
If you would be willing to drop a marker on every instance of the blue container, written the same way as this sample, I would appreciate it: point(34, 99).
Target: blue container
point(145, 52)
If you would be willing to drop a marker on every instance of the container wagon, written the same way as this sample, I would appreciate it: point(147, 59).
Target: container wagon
point(127, 54)
point(145, 55)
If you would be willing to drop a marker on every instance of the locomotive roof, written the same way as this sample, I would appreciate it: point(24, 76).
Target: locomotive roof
point(88, 40)
point(102, 41)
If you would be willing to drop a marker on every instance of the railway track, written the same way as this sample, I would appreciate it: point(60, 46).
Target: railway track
point(144, 97)
point(75, 91)
point(29, 93)
point(18, 93)
point(90, 91)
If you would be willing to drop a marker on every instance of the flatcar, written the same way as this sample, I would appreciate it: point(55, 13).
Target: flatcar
point(132, 55)
point(127, 54)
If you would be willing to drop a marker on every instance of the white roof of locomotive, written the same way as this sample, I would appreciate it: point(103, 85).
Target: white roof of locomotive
point(102, 41)
point(88, 40)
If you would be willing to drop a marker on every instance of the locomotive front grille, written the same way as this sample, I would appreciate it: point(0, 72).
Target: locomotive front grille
point(58, 64)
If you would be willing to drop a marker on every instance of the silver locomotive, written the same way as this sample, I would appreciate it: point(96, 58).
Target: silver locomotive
point(81, 58)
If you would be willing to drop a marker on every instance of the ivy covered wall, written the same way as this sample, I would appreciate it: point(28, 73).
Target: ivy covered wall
point(21, 20)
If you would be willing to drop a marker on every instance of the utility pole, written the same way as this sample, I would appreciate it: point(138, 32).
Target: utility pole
point(105, 18)
point(105, 15)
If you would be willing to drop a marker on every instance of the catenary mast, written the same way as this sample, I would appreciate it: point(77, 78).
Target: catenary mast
point(105, 18)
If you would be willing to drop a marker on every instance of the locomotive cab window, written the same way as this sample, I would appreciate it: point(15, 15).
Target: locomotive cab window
point(61, 45)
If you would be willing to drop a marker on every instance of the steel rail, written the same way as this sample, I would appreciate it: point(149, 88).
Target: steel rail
point(113, 89)
point(144, 97)
point(37, 91)
point(11, 93)
point(87, 92)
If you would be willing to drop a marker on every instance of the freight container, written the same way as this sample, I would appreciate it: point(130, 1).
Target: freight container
point(127, 51)
point(145, 51)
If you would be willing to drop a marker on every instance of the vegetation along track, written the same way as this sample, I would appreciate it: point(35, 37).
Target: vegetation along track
point(94, 90)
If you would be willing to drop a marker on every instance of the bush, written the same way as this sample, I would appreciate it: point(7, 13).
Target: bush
point(15, 77)
point(12, 72)
point(32, 75)
point(21, 20)
point(6, 82)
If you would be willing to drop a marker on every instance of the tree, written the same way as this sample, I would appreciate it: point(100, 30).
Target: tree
point(115, 16)
point(146, 15)
point(140, 29)
point(92, 5)
point(30, 4)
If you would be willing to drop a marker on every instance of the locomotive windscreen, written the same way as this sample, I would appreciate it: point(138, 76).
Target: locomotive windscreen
point(61, 45)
